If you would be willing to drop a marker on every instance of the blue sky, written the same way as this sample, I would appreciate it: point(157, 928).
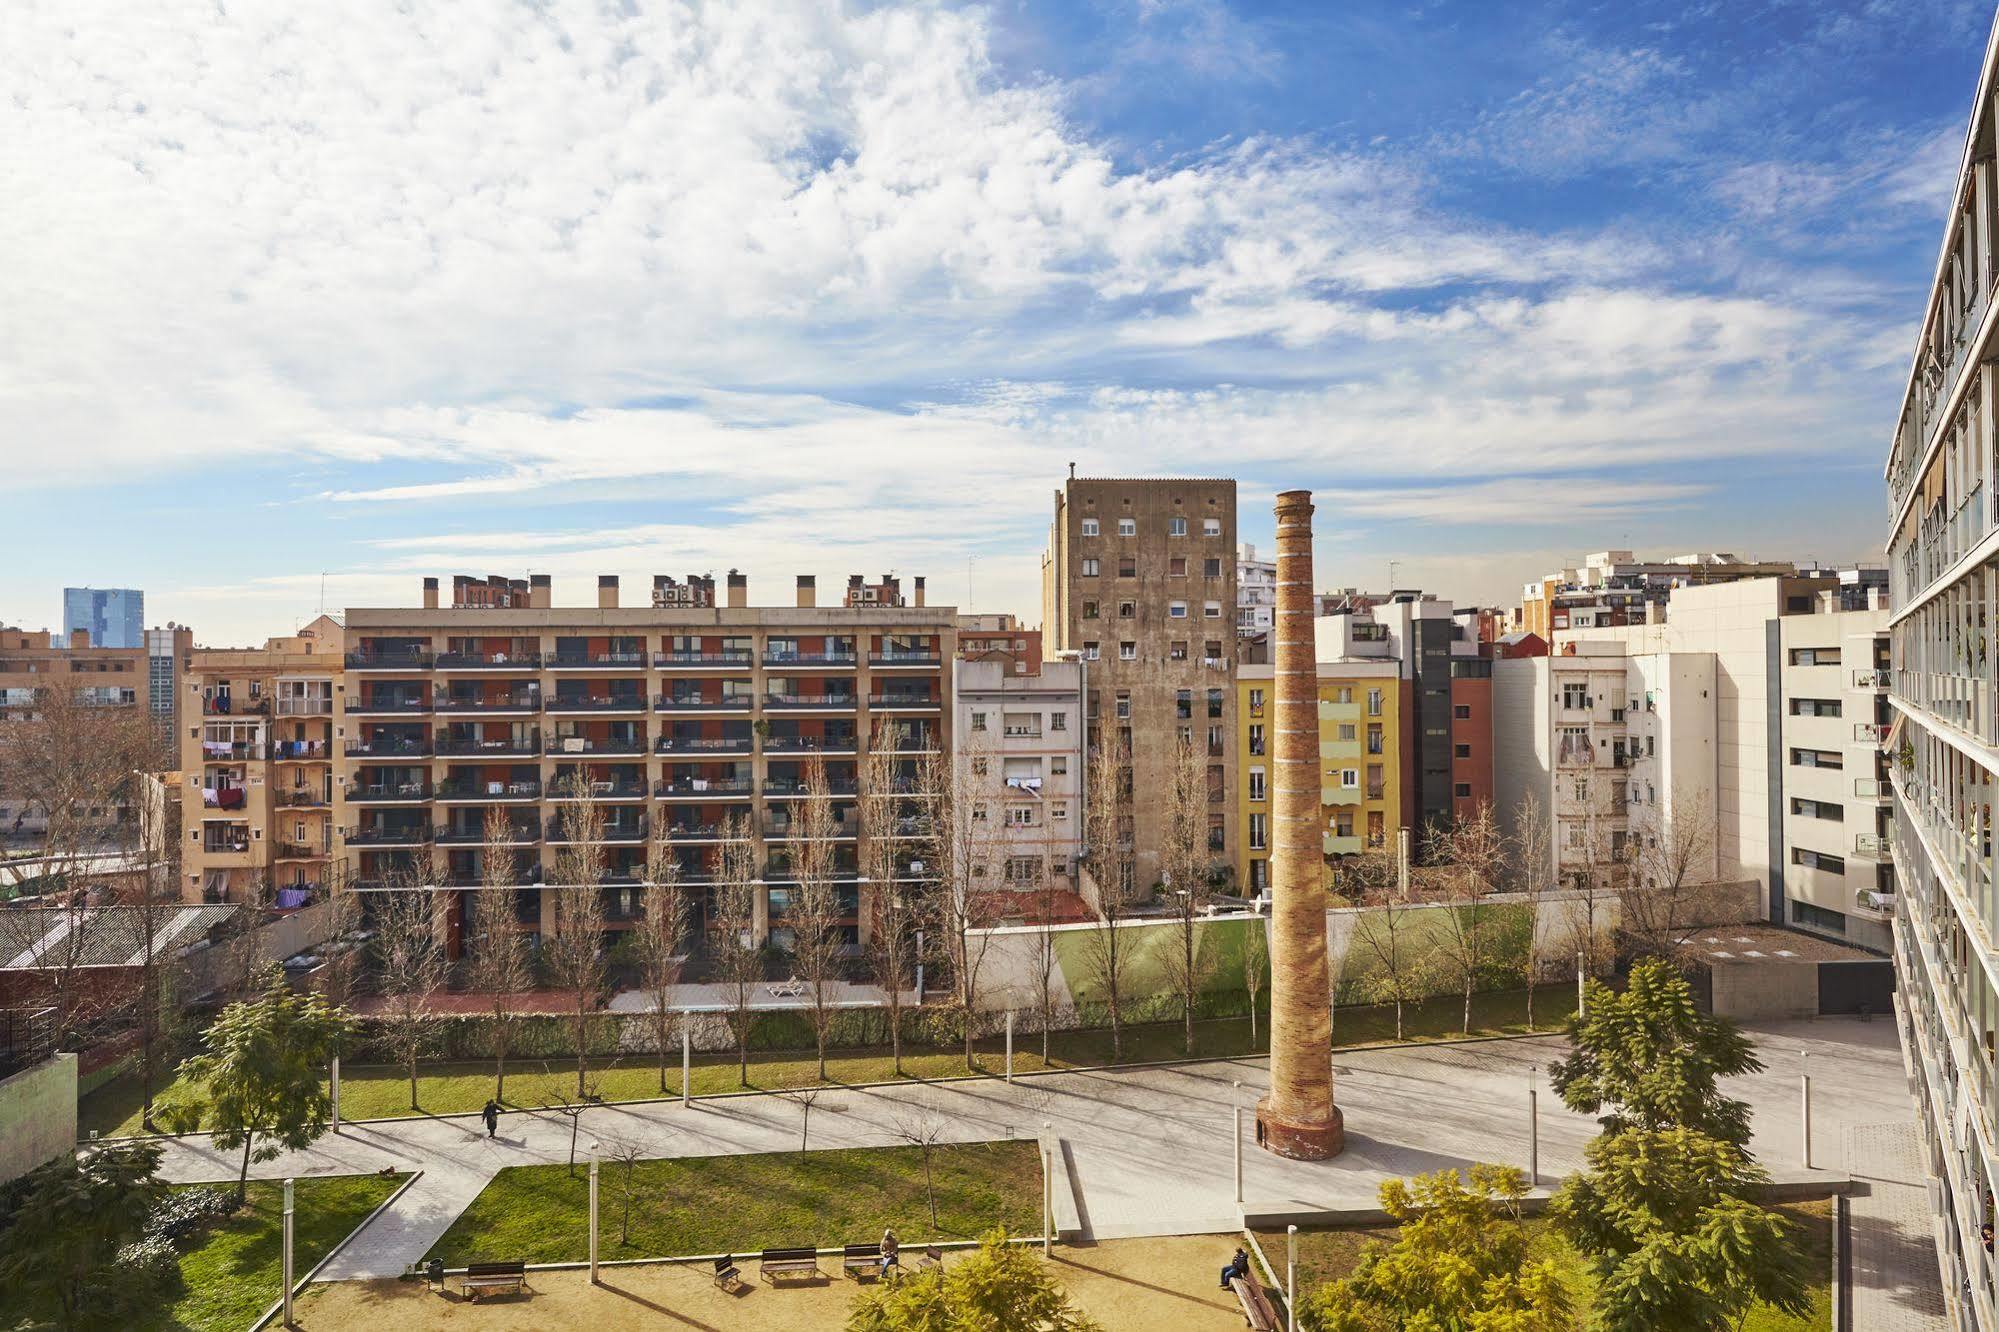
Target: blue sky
point(319, 297)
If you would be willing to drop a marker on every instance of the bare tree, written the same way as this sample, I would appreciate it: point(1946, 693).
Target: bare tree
point(895, 911)
point(157, 998)
point(1112, 872)
point(659, 938)
point(1399, 975)
point(1594, 863)
point(804, 1098)
point(1045, 961)
point(623, 1153)
point(917, 1125)
point(575, 955)
point(1468, 857)
point(815, 916)
point(1672, 864)
point(738, 959)
point(1533, 862)
point(960, 849)
point(1185, 860)
point(501, 967)
point(411, 968)
point(1255, 960)
point(573, 1112)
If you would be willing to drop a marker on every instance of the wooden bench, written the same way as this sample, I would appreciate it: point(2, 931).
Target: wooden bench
point(857, 1260)
point(932, 1257)
point(1257, 1310)
point(775, 1263)
point(726, 1272)
point(493, 1278)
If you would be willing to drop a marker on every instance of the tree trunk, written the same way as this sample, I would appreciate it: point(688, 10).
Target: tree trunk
point(895, 1026)
point(243, 1175)
point(1047, 1021)
point(1398, 1015)
point(412, 1070)
point(819, 1035)
point(500, 1071)
point(1117, 1028)
point(582, 1045)
point(661, 1043)
point(929, 1190)
point(743, 1052)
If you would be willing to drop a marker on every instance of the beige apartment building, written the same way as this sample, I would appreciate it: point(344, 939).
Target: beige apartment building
point(1139, 579)
point(257, 767)
point(1021, 741)
point(686, 713)
point(35, 660)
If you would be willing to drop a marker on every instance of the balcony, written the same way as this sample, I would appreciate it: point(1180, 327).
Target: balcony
point(807, 744)
point(389, 661)
point(576, 744)
point(299, 798)
point(904, 658)
point(908, 703)
point(694, 832)
point(305, 707)
point(383, 746)
point(603, 661)
point(381, 836)
point(740, 704)
point(521, 704)
point(299, 751)
point(300, 851)
point(697, 788)
point(628, 789)
point(1870, 679)
point(791, 786)
point(464, 789)
point(1870, 732)
point(228, 845)
point(1017, 732)
point(1873, 847)
point(388, 707)
point(844, 830)
point(389, 793)
point(451, 746)
point(489, 661)
point(703, 746)
point(626, 703)
point(811, 702)
point(836, 660)
point(689, 661)
point(613, 831)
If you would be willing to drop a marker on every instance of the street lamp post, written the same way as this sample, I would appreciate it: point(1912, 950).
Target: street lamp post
point(1533, 1127)
point(290, 1235)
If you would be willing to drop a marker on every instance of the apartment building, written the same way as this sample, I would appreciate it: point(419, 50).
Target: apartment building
point(1140, 579)
point(1943, 736)
point(1614, 588)
point(999, 636)
point(258, 767)
point(1021, 741)
point(110, 617)
point(166, 652)
point(1256, 592)
point(682, 715)
point(1364, 743)
point(32, 661)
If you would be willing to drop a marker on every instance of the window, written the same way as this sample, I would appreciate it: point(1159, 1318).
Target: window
point(1090, 652)
point(1176, 527)
point(1212, 610)
point(1089, 527)
point(1211, 568)
point(1127, 527)
point(1256, 739)
point(1090, 568)
point(1212, 651)
point(1176, 610)
point(1124, 705)
point(1256, 702)
point(1020, 816)
point(1217, 832)
point(1374, 702)
point(1462, 790)
point(979, 766)
point(1814, 707)
point(1575, 694)
point(1818, 860)
point(1178, 650)
point(1127, 651)
point(1817, 917)
point(1349, 731)
point(1824, 656)
point(1818, 809)
point(1183, 704)
point(1215, 745)
point(1256, 787)
point(1058, 721)
point(1344, 694)
point(1350, 778)
point(1259, 832)
point(979, 813)
point(1058, 766)
point(1461, 751)
point(978, 721)
point(1177, 567)
point(1374, 737)
point(1817, 758)
point(1058, 810)
point(1089, 610)
point(1023, 869)
point(1127, 610)
point(1617, 714)
point(1214, 703)
point(1461, 712)
point(1211, 527)
point(1127, 566)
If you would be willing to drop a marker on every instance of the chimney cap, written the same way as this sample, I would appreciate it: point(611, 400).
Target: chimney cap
point(607, 580)
point(808, 580)
point(538, 580)
point(430, 582)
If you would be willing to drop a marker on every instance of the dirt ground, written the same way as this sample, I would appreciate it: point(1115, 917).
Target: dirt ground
point(1138, 1285)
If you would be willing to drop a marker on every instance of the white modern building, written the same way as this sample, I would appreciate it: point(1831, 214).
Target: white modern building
point(1943, 737)
point(1023, 740)
point(1255, 592)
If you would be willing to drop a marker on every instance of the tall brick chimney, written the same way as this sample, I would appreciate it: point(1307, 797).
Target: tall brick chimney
point(430, 594)
point(919, 589)
point(607, 591)
point(1298, 1118)
point(739, 590)
point(540, 594)
point(808, 590)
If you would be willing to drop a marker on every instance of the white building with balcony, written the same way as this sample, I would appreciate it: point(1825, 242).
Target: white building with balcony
point(1255, 592)
point(1022, 738)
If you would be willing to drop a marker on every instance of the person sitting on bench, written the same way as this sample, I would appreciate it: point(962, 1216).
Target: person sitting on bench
point(891, 1251)
point(1238, 1267)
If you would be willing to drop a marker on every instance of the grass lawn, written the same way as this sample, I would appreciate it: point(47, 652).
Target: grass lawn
point(379, 1091)
point(235, 1269)
point(713, 1204)
point(1326, 1255)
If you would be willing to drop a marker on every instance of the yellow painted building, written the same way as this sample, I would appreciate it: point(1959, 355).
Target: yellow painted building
point(1361, 746)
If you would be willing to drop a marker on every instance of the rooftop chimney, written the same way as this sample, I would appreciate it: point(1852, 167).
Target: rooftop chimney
point(430, 594)
point(739, 590)
point(919, 589)
point(79, 639)
point(540, 595)
point(808, 590)
point(607, 591)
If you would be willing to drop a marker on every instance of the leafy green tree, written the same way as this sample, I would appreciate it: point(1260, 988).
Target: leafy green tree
point(72, 1217)
point(1666, 1221)
point(1650, 1059)
point(1001, 1288)
point(1461, 1262)
point(261, 1073)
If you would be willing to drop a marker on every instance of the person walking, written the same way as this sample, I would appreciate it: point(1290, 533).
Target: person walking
point(491, 1114)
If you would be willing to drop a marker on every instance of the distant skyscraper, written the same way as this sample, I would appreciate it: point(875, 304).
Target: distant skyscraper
point(114, 616)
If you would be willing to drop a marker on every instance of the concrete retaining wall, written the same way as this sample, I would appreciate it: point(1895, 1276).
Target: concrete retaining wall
point(1769, 988)
point(38, 1112)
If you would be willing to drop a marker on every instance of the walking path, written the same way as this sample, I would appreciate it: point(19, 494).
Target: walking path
point(1896, 1281)
point(1148, 1149)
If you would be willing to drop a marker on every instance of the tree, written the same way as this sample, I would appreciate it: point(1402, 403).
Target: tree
point(624, 1154)
point(575, 955)
point(1460, 1260)
point(502, 969)
point(1650, 1059)
point(1531, 862)
point(1665, 1219)
point(960, 849)
point(738, 960)
point(157, 1002)
point(1672, 862)
point(573, 1112)
point(1107, 830)
point(70, 1217)
point(1400, 974)
point(1185, 860)
point(815, 916)
point(261, 1068)
point(1001, 1288)
point(1470, 854)
point(1044, 960)
point(804, 1098)
point(1255, 962)
point(659, 938)
point(895, 911)
point(411, 970)
point(914, 1123)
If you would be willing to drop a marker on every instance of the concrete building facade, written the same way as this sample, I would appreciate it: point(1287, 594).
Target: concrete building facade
point(1140, 579)
point(1021, 739)
point(32, 661)
point(1614, 588)
point(1256, 592)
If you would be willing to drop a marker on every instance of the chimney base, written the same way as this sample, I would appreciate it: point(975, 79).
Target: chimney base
point(1300, 1140)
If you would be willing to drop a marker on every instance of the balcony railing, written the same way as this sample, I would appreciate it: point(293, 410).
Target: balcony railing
point(611, 831)
point(671, 660)
point(299, 751)
point(809, 658)
point(616, 703)
point(626, 789)
point(700, 745)
point(305, 707)
point(225, 846)
point(782, 702)
point(301, 851)
point(576, 744)
point(301, 799)
point(694, 703)
point(390, 793)
point(792, 786)
point(489, 661)
point(619, 661)
point(460, 788)
point(389, 661)
point(839, 831)
point(410, 706)
point(904, 657)
point(694, 832)
point(390, 747)
point(1870, 679)
point(705, 788)
point(808, 744)
point(889, 702)
point(503, 747)
point(379, 836)
point(479, 703)
point(1869, 731)
point(1872, 846)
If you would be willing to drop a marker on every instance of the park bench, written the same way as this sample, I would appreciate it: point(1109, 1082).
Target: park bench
point(1257, 1310)
point(726, 1272)
point(859, 1259)
point(775, 1263)
point(490, 1278)
point(932, 1257)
